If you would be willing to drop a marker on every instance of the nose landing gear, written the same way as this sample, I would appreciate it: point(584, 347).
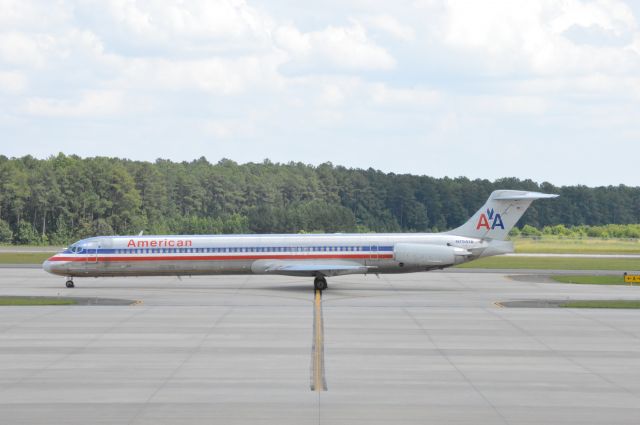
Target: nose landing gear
point(320, 283)
point(69, 283)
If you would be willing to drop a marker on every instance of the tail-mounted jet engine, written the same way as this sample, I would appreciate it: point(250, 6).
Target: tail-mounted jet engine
point(431, 256)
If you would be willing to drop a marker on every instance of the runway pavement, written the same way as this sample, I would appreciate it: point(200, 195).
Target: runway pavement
point(401, 349)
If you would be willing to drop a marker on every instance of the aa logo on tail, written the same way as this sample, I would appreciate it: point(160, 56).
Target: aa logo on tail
point(490, 220)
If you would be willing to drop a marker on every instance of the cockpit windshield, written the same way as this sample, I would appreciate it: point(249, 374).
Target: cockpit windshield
point(84, 245)
point(76, 248)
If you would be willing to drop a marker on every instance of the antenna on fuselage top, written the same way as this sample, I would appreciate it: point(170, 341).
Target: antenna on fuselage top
point(141, 232)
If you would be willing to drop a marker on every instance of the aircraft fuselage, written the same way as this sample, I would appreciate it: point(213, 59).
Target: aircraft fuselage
point(201, 255)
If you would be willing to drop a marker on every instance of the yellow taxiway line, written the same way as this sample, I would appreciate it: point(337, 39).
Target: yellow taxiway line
point(317, 359)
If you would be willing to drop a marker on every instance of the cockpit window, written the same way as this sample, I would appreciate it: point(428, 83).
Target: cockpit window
point(76, 249)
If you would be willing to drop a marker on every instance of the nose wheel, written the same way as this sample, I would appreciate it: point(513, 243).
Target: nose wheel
point(320, 283)
point(70, 284)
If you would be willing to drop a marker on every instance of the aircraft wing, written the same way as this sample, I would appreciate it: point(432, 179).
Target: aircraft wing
point(308, 267)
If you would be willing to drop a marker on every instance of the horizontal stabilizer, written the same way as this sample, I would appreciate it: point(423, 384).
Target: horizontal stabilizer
point(512, 195)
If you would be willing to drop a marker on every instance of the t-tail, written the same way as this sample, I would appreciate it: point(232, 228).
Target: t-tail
point(499, 214)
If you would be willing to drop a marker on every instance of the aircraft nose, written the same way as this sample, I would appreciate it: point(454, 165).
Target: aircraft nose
point(47, 266)
point(53, 267)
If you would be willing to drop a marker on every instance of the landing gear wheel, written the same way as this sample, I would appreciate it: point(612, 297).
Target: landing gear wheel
point(70, 284)
point(320, 283)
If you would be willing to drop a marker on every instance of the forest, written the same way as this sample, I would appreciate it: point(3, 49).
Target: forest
point(66, 197)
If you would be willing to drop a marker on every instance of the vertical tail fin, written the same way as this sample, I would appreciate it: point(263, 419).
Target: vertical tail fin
point(499, 214)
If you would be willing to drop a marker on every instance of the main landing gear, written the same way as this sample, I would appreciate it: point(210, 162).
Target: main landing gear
point(70, 283)
point(320, 283)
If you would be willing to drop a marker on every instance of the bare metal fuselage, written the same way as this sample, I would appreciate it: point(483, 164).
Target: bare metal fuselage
point(246, 254)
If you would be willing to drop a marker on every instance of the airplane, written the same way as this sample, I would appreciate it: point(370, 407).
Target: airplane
point(313, 255)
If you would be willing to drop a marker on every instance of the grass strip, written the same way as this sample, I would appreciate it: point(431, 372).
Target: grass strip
point(553, 263)
point(23, 257)
point(555, 245)
point(5, 301)
point(591, 280)
point(602, 304)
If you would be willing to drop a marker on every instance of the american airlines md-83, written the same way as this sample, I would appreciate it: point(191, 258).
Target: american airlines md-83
point(313, 255)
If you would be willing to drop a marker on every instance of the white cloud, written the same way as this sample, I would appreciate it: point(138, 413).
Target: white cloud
point(332, 95)
point(292, 40)
point(12, 82)
point(391, 26)
point(90, 103)
point(349, 47)
point(21, 49)
point(384, 95)
point(532, 36)
point(228, 128)
point(346, 48)
point(215, 76)
point(191, 26)
point(38, 16)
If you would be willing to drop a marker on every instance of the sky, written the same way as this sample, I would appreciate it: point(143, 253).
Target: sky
point(539, 89)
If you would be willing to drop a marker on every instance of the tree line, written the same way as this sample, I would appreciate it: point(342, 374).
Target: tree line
point(65, 198)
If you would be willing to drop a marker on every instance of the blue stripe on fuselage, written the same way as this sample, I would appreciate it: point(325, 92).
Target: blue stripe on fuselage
point(235, 249)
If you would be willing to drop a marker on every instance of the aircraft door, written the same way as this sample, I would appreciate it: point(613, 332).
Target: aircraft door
point(374, 252)
point(92, 252)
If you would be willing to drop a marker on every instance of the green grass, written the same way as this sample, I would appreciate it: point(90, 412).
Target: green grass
point(591, 280)
point(4, 301)
point(602, 304)
point(23, 257)
point(553, 263)
point(557, 245)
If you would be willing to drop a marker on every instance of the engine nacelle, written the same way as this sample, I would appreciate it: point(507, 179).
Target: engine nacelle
point(414, 254)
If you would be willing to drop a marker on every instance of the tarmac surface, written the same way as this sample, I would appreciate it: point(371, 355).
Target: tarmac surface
point(402, 349)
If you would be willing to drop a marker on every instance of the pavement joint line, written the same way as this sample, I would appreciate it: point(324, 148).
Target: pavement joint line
point(186, 359)
point(498, 304)
point(583, 314)
point(452, 364)
point(560, 353)
point(62, 357)
point(53, 311)
point(442, 353)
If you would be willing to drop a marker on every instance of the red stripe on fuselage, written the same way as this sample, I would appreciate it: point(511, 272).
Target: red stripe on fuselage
point(221, 258)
